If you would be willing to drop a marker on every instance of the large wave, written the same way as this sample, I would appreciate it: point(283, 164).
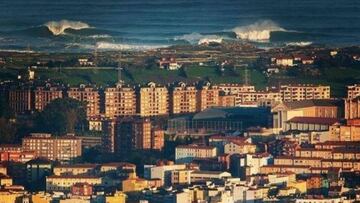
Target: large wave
point(258, 31)
point(120, 46)
point(197, 38)
point(299, 44)
point(59, 27)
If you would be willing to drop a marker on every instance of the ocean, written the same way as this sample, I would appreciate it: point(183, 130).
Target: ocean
point(83, 25)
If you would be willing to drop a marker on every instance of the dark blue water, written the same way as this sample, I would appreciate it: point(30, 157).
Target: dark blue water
point(123, 24)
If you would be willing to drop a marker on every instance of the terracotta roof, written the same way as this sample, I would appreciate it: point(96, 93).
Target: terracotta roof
point(228, 138)
point(314, 120)
point(73, 177)
point(342, 160)
point(119, 164)
point(285, 166)
point(77, 166)
point(293, 158)
point(341, 143)
point(313, 149)
point(195, 147)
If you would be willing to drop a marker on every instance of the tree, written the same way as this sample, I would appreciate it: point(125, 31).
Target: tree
point(62, 116)
point(7, 131)
point(5, 110)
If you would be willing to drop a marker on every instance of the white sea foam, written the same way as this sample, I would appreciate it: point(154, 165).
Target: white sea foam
point(258, 31)
point(197, 38)
point(101, 36)
point(300, 44)
point(59, 27)
point(16, 51)
point(119, 46)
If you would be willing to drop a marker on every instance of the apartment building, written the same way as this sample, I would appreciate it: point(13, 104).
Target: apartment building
point(235, 88)
point(120, 101)
point(75, 169)
point(20, 99)
point(62, 148)
point(15, 153)
point(187, 153)
point(352, 108)
point(236, 147)
point(257, 97)
point(353, 91)
point(89, 95)
point(153, 100)
point(162, 171)
point(304, 92)
point(157, 138)
point(183, 99)
point(134, 133)
point(207, 96)
point(226, 100)
point(338, 132)
point(64, 183)
point(44, 95)
point(141, 134)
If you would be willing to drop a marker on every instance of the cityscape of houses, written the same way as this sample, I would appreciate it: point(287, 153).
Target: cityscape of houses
point(290, 143)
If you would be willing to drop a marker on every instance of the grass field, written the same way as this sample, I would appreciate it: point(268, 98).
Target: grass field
point(103, 77)
point(337, 78)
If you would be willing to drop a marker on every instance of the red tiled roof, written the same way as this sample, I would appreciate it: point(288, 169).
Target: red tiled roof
point(314, 120)
point(73, 177)
point(285, 166)
point(195, 147)
point(77, 166)
point(293, 158)
point(227, 138)
point(313, 149)
point(341, 143)
point(119, 164)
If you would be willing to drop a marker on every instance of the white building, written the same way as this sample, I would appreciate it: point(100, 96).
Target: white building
point(187, 153)
point(162, 172)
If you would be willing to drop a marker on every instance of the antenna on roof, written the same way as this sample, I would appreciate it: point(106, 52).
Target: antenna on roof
point(119, 69)
point(246, 77)
point(95, 55)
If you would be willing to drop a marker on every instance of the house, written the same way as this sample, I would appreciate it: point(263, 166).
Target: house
point(285, 61)
point(85, 62)
point(169, 64)
point(239, 147)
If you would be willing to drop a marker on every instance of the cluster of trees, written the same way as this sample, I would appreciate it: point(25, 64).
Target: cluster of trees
point(61, 116)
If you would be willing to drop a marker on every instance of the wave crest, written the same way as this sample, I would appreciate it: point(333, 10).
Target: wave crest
point(299, 44)
point(118, 46)
point(197, 38)
point(258, 31)
point(59, 27)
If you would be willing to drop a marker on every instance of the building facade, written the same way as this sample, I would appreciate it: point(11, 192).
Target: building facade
point(120, 101)
point(44, 95)
point(304, 92)
point(64, 148)
point(89, 95)
point(153, 100)
point(183, 99)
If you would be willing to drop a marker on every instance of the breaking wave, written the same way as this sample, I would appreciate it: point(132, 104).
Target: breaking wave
point(59, 27)
point(197, 38)
point(300, 44)
point(258, 31)
point(119, 46)
point(100, 36)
